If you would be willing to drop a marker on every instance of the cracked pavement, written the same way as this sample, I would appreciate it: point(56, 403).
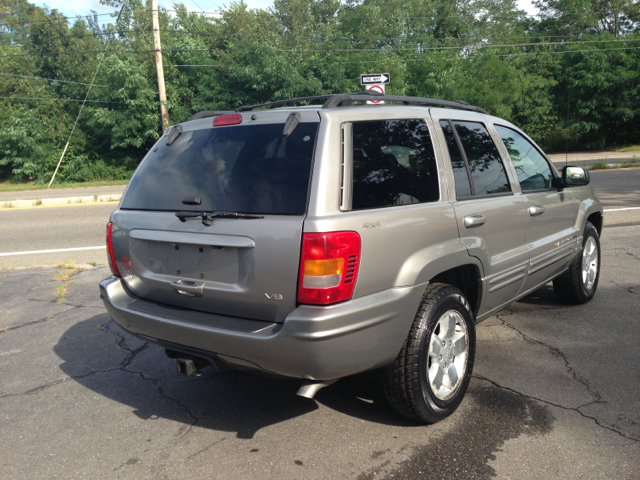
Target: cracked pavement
point(554, 394)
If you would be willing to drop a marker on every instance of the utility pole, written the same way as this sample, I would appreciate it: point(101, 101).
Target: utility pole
point(159, 67)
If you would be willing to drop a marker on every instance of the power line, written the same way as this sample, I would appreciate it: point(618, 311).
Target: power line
point(342, 15)
point(590, 50)
point(420, 47)
point(567, 51)
point(50, 18)
point(203, 65)
point(380, 49)
point(59, 99)
point(328, 38)
point(85, 99)
point(54, 80)
point(511, 13)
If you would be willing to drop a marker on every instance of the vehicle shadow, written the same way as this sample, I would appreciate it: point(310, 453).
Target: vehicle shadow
point(544, 296)
point(131, 372)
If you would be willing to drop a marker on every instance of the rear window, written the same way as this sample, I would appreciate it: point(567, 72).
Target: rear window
point(246, 169)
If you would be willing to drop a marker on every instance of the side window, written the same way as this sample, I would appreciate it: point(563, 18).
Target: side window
point(460, 172)
point(534, 172)
point(393, 164)
point(487, 171)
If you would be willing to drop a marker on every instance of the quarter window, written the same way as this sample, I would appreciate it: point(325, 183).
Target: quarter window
point(471, 146)
point(534, 172)
point(393, 164)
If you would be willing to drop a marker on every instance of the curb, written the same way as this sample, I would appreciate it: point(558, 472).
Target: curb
point(57, 202)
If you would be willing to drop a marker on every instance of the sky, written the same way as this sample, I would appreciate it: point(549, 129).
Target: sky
point(84, 7)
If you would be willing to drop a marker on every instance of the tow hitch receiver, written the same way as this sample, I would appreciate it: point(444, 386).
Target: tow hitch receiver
point(191, 366)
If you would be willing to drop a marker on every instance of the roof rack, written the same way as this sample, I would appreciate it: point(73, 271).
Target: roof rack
point(347, 99)
point(248, 108)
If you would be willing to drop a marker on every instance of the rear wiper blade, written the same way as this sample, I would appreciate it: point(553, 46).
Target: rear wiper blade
point(207, 217)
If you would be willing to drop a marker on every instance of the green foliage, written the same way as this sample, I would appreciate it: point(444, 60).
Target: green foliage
point(588, 98)
point(26, 150)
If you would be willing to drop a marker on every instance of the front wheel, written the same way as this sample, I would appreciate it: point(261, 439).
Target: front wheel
point(430, 376)
point(578, 284)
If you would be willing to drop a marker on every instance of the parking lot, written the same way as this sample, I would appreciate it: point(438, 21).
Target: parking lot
point(554, 395)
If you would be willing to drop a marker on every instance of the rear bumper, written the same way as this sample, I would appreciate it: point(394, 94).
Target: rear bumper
point(314, 342)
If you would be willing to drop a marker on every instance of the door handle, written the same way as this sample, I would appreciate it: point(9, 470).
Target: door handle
point(471, 221)
point(188, 288)
point(536, 210)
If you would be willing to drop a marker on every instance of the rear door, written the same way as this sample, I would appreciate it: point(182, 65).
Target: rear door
point(551, 233)
point(491, 218)
point(242, 267)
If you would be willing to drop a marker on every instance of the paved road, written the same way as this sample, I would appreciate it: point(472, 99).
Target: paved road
point(554, 395)
point(36, 229)
point(617, 188)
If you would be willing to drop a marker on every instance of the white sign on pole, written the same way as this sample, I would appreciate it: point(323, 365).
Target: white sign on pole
point(379, 88)
point(374, 78)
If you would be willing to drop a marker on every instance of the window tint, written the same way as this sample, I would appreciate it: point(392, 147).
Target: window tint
point(534, 172)
point(460, 174)
point(247, 169)
point(487, 172)
point(393, 164)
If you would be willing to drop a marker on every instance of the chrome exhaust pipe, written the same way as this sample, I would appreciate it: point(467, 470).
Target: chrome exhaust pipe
point(309, 388)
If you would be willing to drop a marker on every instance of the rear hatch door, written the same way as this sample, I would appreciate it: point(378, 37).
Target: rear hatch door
point(241, 193)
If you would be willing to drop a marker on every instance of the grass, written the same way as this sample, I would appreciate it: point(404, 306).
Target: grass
point(62, 291)
point(599, 165)
point(631, 164)
point(18, 187)
point(7, 205)
point(37, 202)
point(70, 269)
point(628, 148)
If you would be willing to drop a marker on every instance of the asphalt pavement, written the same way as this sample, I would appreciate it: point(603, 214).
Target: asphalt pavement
point(58, 228)
point(80, 225)
point(554, 394)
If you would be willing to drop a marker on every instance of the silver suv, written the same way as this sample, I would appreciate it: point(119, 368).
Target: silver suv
point(321, 241)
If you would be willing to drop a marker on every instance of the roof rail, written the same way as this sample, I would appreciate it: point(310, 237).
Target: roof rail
point(208, 113)
point(248, 108)
point(347, 99)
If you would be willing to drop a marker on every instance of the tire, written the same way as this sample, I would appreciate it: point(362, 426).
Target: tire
point(409, 388)
point(578, 284)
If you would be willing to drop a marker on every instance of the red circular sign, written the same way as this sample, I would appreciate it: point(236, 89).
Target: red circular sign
point(380, 89)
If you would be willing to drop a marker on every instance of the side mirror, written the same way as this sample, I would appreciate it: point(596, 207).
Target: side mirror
point(575, 176)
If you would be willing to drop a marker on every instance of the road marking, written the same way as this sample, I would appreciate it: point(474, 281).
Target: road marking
point(613, 169)
point(63, 205)
point(53, 251)
point(620, 209)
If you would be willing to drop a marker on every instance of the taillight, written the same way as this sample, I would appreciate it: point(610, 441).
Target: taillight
point(110, 257)
point(328, 267)
point(222, 120)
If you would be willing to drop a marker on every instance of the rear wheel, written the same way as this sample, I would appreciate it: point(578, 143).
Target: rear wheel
point(430, 376)
point(578, 284)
